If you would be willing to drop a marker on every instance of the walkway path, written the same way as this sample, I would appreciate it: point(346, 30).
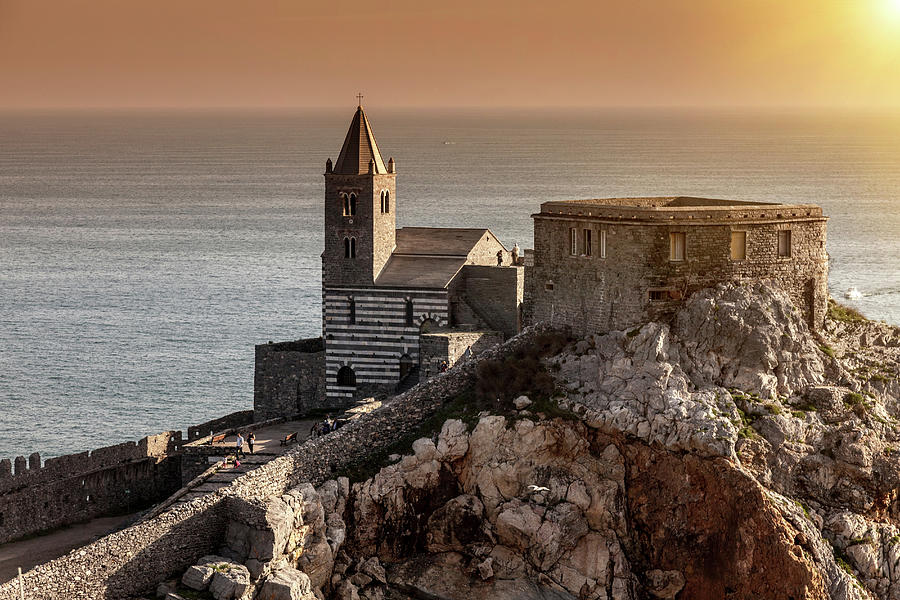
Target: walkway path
point(34, 551)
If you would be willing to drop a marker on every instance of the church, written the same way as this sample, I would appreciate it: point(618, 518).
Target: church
point(384, 288)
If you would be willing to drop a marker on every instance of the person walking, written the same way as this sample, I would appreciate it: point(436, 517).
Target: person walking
point(239, 446)
point(499, 258)
point(515, 254)
point(250, 439)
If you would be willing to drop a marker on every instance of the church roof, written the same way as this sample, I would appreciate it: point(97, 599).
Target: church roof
point(420, 271)
point(438, 241)
point(359, 148)
point(430, 257)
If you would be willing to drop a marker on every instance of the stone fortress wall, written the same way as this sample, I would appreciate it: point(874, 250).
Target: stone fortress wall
point(77, 487)
point(289, 379)
point(629, 276)
point(134, 560)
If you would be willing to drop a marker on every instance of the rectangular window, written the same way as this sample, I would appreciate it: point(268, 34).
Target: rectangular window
point(586, 246)
point(658, 295)
point(784, 243)
point(573, 241)
point(677, 244)
point(603, 243)
point(738, 245)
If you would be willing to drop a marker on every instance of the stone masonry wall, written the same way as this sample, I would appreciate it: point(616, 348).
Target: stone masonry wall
point(132, 561)
point(375, 232)
point(77, 487)
point(235, 419)
point(591, 293)
point(289, 379)
point(495, 294)
point(434, 348)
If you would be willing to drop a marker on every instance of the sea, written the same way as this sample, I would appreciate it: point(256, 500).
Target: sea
point(143, 254)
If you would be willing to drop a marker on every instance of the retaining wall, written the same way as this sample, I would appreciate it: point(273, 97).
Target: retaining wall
point(135, 560)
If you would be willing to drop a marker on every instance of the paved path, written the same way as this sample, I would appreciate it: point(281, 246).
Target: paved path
point(37, 550)
point(267, 447)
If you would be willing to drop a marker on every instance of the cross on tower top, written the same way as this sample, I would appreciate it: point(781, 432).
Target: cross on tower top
point(359, 98)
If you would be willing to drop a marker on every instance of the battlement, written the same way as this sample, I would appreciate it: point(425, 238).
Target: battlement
point(22, 472)
point(677, 209)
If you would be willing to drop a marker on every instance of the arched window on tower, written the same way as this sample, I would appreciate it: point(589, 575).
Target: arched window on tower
point(382, 201)
point(387, 201)
point(349, 247)
point(409, 312)
point(346, 377)
point(352, 204)
point(345, 204)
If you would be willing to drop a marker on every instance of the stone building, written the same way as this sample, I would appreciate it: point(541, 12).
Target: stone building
point(383, 287)
point(601, 265)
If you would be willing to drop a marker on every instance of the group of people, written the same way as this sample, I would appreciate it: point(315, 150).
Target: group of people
point(239, 444)
point(514, 255)
point(326, 426)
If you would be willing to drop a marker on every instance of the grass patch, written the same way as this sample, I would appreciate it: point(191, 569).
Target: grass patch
point(773, 408)
point(842, 312)
point(804, 508)
point(746, 431)
point(827, 350)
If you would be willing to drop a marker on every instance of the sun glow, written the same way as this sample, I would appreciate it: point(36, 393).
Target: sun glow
point(892, 9)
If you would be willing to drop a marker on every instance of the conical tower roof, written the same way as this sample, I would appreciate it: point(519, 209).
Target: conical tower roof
point(359, 148)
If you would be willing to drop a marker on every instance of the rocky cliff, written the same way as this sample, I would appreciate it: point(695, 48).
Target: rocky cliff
point(728, 454)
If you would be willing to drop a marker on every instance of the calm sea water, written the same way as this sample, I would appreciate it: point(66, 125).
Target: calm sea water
point(142, 255)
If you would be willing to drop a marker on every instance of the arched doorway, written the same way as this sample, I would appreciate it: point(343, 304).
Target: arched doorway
point(346, 377)
point(427, 326)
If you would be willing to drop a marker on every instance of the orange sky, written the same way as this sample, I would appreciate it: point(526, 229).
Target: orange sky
point(62, 53)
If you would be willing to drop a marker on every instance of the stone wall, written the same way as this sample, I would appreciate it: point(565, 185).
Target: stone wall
point(636, 281)
point(235, 419)
point(289, 379)
point(77, 487)
point(133, 561)
point(488, 297)
point(450, 345)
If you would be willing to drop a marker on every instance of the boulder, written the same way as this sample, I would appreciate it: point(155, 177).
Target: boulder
point(230, 581)
point(198, 577)
point(286, 584)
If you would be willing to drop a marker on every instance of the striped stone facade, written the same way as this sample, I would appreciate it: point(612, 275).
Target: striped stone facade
point(371, 331)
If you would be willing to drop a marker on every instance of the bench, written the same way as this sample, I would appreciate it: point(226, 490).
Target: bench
point(216, 439)
point(291, 437)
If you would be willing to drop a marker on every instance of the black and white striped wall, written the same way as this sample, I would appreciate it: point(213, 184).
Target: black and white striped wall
point(370, 331)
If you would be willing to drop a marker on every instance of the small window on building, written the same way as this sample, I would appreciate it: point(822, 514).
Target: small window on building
point(345, 204)
point(784, 243)
point(409, 312)
point(349, 247)
point(677, 243)
point(548, 286)
point(352, 309)
point(352, 205)
point(658, 295)
point(573, 241)
point(387, 202)
point(738, 245)
point(586, 242)
point(603, 243)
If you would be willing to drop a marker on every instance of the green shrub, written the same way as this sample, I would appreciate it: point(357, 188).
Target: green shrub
point(841, 312)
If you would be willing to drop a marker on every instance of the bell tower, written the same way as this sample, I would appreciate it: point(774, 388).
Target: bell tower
point(360, 209)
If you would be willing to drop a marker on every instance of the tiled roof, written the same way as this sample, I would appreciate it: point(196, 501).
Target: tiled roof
point(359, 148)
point(438, 241)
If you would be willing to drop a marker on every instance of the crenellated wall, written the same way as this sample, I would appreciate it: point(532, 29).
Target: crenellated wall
point(78, 487)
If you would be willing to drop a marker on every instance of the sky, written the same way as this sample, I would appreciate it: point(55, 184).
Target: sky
point(461, 53)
